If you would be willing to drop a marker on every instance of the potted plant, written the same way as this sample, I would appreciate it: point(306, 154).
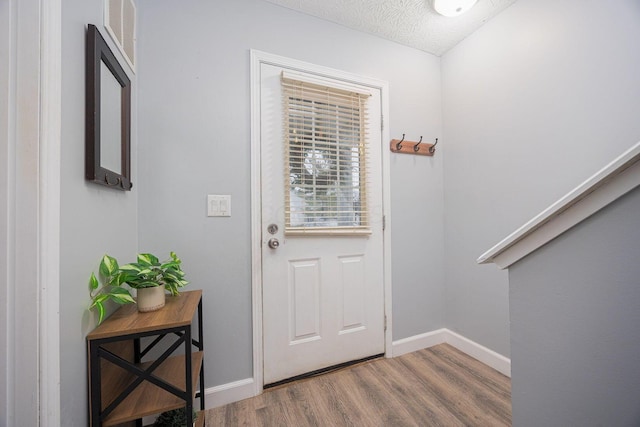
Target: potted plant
point(148, 276)
point(174, 418)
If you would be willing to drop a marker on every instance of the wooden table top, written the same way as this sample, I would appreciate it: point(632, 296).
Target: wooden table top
point(178, 311)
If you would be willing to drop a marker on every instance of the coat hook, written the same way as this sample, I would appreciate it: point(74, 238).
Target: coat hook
point(399, 144)
point(415, 147)
point(432, 149)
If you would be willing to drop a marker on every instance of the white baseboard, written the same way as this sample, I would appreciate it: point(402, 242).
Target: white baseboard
point(218, 396)
point(418, 342)
point(479, 352)
point(229, 393)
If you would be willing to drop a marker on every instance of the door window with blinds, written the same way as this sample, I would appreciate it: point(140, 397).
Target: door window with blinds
point(325, 146)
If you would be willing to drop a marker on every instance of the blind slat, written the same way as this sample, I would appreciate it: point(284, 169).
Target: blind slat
point(326, 158)
point(322, 82)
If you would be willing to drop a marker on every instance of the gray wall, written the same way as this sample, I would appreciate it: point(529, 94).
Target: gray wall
point(575, 324)
point(94, 220)
point(535, 102)
point(5, 45)
point(194, 134)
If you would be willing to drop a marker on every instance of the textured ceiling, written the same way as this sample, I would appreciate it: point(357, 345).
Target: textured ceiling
point(409, 22)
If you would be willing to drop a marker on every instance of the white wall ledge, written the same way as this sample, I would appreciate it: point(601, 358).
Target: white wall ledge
point(605, 186)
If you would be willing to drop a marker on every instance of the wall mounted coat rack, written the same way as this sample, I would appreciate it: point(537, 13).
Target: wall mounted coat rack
point(413, 147)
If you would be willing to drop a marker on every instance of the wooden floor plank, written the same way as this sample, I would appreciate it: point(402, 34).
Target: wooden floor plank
point(473, 405)
point(493, 379)
point(371, 397)
point(423, 400)
point(420, 403)
point(301, 399)
point(389, 406)
point(489, 386)
point(439, 386)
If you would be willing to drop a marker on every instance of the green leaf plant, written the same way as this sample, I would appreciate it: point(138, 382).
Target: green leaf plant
point(174, 418)
point(147, 272)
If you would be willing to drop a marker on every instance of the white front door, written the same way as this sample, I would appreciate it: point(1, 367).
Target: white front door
point(323, 292)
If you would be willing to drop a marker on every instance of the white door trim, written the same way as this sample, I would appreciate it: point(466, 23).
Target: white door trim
point(32, 251)
point(258, 58)
point(49, 211)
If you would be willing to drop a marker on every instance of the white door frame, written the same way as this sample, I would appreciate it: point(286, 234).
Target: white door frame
point(49, 211)
point(257, 59)
point(32, 188)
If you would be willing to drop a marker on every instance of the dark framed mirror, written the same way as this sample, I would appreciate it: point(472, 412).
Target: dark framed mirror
point(108, 116)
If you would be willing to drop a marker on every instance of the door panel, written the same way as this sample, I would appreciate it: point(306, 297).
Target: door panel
point(304, 285)
point(352, 291)
point(322, 294)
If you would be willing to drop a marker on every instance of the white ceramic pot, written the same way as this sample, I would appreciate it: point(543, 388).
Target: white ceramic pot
point(150, 299)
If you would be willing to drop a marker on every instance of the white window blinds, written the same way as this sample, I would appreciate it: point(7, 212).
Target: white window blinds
point(326, 158)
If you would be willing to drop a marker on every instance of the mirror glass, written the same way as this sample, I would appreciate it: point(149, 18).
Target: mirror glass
point(110, 121)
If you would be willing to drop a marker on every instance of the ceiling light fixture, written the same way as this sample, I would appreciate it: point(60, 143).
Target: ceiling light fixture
point(451, 8)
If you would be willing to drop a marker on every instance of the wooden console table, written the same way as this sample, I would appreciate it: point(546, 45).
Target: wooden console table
point(123, 387)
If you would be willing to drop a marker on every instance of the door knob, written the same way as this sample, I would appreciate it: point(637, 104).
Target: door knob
point(273, 243)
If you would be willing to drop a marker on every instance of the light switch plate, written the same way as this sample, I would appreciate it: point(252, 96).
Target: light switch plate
point(218, 205)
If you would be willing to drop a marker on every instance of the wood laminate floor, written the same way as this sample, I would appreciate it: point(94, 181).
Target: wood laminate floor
point(438, 386)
